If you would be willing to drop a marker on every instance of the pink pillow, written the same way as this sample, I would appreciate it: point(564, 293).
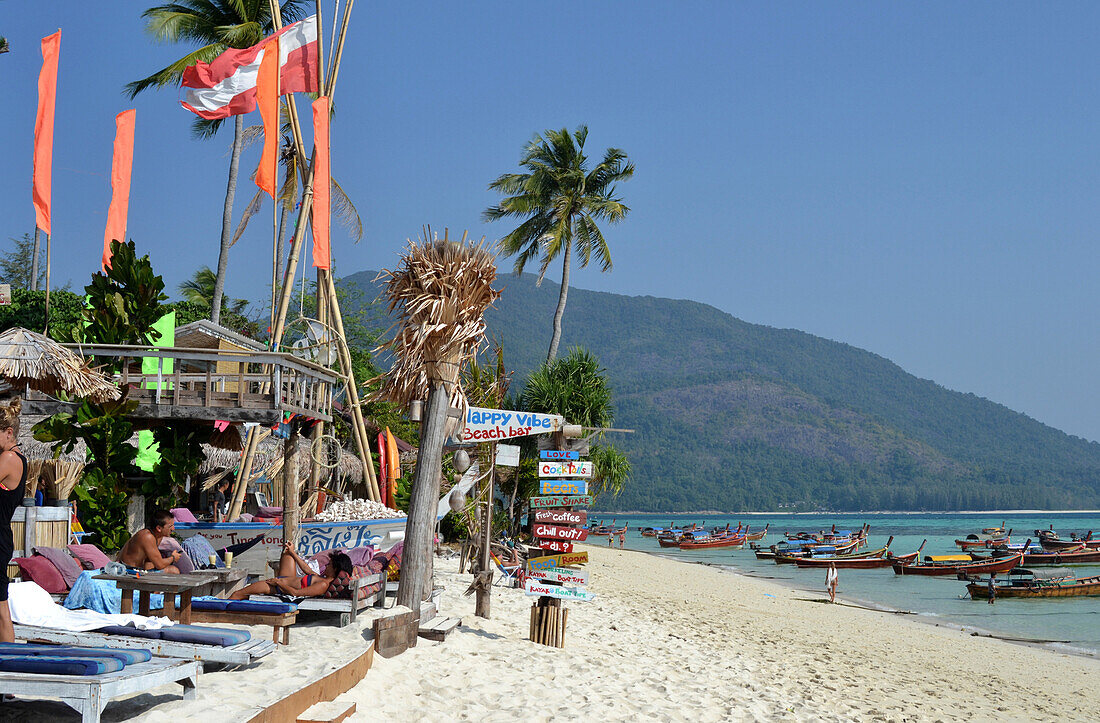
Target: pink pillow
point(68, 567)
point(90, 556)
point(41, 571)
point(171, 544)
point(182, 514)
point(360, 556)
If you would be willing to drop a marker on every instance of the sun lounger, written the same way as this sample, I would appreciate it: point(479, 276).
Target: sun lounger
point(200, 645)
point(279, 615)
point(349, 610)
point(89, 694)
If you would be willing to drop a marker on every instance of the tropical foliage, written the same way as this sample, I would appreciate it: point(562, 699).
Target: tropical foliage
point(17, 266)
point(561, 202)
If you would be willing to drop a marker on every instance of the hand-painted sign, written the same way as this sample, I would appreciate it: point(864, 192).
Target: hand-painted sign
point(541, 503)
point(561, 575)
point(484, 425)
point(531, 587)
point(563, 487)
point(556, 545)
point(565, 469)
point(559, 454)
point(547, 561)
point(508, 455)
point(553, 532)
point(562, 517)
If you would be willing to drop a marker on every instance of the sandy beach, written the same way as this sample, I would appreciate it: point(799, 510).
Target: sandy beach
point(665, 640)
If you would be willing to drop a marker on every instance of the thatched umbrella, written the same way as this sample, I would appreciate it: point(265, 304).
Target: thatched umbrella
point(440, 294)
point(31, 359)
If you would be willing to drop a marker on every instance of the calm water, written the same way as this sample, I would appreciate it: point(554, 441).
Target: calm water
point(1074, 623)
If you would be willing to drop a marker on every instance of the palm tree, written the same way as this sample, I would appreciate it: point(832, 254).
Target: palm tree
point(4, 47)
point(561, 201)
point(215, 25)
point(199, 289)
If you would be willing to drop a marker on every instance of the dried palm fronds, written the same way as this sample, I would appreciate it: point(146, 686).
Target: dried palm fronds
point(440, 294)
point(31, 359)
point(228, 439)
point(66, 475)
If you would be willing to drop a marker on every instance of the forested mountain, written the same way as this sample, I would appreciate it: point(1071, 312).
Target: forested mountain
point(734, 416)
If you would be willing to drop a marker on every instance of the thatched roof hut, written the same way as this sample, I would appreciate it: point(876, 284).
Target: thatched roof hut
point(31, 359)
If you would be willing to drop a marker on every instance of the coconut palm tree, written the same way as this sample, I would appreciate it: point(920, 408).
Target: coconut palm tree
point(561, 201)
point(4, 47)
point(199, 289)
point(214, 25)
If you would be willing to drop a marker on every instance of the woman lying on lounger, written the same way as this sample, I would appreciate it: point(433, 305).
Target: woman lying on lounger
point(289, 582)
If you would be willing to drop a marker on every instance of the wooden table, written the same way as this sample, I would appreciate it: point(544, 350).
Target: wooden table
point(227, 580)
point(161, 582)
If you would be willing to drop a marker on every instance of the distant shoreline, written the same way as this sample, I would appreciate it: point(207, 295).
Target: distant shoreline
point(876, 512)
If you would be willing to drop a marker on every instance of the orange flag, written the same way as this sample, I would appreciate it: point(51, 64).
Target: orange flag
point(43, 131)
point(120, 183)
point(267, 100)
point(321, 180)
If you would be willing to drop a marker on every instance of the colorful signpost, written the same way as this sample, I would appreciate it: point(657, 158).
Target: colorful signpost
point(542, 503)
point(561, 517)
point(565, 560)
point(556, 545)
point(565, 469)
point(533, 587)
point(561, 575)
point(559, 454)
point(563, 487)
point(553, 532)
point(487, 425)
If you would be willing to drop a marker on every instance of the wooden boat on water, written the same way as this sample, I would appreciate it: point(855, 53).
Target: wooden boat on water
point(850, 550)
point(860, 562)
point(757, 536)
point(985, 541)
point(1051, 541)
point(697, 541)
point(955, 564)
point(1023, 582)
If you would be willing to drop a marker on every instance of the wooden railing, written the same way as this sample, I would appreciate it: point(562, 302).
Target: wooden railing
point(259, 386)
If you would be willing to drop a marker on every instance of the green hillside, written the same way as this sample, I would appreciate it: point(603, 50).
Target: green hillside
point(735, 416)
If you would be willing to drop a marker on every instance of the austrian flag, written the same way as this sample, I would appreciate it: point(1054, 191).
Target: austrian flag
point(227, 85)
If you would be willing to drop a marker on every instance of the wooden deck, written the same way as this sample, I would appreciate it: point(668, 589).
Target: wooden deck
point(193, 384)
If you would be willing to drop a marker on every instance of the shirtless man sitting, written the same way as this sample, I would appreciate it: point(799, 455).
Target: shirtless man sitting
point(142, 553)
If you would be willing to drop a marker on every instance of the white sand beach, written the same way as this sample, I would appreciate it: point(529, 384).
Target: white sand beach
point(665, 640)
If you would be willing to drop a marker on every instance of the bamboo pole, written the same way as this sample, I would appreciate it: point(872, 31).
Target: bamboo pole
point(240, 485)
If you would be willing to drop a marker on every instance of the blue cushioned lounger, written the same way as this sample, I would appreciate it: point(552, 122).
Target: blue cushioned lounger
point(129, 631)
point(136, 655)
point(59, 666)
point(205, 635)
point(243, 606)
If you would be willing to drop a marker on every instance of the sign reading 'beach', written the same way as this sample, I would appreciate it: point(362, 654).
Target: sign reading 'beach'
point(561, 575)
point(542, 503)
point(553, 532)
point(562, 517)
point(547, 561)
point(559, 454)
point(531, 587)
point(490, 424)
point(565, 469)
point(563, 487)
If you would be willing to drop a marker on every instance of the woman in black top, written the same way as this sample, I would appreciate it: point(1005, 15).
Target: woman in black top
point(13, 479)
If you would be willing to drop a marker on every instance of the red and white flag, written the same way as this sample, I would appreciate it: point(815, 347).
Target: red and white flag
point(227, 85)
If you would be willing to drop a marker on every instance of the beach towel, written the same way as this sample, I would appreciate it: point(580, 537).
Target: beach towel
point(31, 605)
point(102, 596)
point(199, 549)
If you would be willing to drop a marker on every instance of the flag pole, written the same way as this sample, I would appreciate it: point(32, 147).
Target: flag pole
point(46, 328)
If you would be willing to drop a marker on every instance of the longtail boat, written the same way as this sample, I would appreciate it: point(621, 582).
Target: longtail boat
point(1079, 555)
point(1022, 582)
point(1051, 542)
point(756, 536)
point(974, 541)
point(699, 541)
point(831, 551)
point(859, 561)
point(953, 567)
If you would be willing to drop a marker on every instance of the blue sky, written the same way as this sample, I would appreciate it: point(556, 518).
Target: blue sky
point(918, 180)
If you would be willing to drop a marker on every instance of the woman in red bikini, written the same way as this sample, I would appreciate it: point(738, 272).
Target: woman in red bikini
point(289, 582)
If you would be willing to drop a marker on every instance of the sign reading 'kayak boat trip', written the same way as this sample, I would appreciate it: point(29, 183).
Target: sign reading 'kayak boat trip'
point(542, 503)
point(562, 517)
point(553, 532)
point(559, 454)
point(531, 587)
point(563, 487)
point(556, 545)
point(561, 575)
point(565, 469)
point(547, 561)
point(483, 425)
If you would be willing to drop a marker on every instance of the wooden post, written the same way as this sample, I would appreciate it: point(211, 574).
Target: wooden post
point(481, 607)
point(290, 487)
point(416, 567)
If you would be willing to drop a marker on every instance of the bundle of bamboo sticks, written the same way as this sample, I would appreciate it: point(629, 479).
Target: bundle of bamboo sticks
point(548, 622)
point(59, 477)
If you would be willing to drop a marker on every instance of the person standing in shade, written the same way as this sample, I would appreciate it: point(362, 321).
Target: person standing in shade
point(831, 581)
point(13, 480)
point(992, 588)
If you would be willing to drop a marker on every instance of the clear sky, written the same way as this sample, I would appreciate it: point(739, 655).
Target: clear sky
point(916, 179)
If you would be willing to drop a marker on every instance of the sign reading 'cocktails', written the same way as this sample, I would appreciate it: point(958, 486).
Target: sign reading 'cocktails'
point(556, 545)
point(542, 503)
point(563, 487)
point(553, 532)
point(565, 469)
point(559, 454)
point(532, 587)
point(562, 576)
point(547, 561)
point(562, 517)
point(486, 425)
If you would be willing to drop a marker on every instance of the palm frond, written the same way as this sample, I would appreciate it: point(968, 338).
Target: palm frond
point(345, 211)
point(250, 210)
point(171, 74)
point(204, 128)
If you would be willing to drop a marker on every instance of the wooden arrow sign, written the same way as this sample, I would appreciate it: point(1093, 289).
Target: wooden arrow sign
point(561, 501)
point(556, 545)
point(565, 469)
point(561, 517)
point(532, 587)
point(559, 454)
point(571, 578)
point(553, 532)
point(563, 487)
point(547, 561)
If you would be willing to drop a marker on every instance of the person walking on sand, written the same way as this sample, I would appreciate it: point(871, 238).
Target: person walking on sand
point(831, 580)
point(992, 587)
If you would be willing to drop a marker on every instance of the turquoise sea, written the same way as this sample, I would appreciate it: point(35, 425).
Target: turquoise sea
point(1066, 624)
